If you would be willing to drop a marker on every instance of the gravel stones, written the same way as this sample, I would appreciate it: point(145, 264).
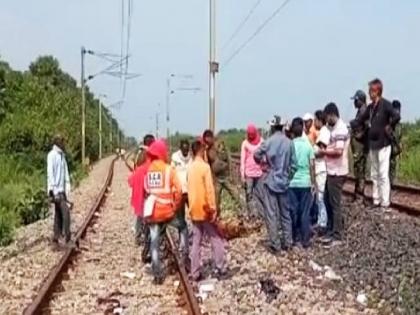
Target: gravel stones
point(108, 277)
point(27, 261)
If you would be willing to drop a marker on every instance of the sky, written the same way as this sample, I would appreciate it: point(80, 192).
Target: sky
point(311, 53)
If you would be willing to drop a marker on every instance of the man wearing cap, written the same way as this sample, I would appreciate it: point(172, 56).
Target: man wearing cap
point(279, 154)
point(310, 130)
point(58, 179)
point(359, 145)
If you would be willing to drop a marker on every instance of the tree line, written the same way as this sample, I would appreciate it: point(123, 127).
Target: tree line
point(35, 104)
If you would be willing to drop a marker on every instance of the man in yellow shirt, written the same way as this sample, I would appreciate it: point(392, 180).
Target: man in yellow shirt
point(203, 213)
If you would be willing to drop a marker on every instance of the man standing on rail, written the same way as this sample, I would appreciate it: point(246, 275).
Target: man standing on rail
point(359, 146)
point(279, 153)
point(203, 213)
point(181, 161)
point(217, 155)
point(164, 197)
point(381, 118)
point(59, 189)
point(396, 148)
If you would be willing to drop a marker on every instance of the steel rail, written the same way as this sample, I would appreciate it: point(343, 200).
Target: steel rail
point(56, 273)
point(192, 303)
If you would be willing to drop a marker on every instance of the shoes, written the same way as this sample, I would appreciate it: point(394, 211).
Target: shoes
point(187, 263)
point(69, 245)
point(329, 242)
point(386, 209)
point(54, 245)
point(221, 275)
point(197, 278)
point(158, 280)
point(321, 231)
point(272, 250)
point(146, 259)
point(374, 207)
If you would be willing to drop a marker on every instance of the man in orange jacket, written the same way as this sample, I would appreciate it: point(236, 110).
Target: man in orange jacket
point(202, 205)
point(164, 196)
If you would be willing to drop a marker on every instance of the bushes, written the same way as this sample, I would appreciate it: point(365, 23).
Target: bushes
point(35, 105)
point(8, 222)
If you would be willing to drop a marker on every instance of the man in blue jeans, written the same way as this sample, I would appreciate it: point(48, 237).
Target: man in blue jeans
point(302, 186)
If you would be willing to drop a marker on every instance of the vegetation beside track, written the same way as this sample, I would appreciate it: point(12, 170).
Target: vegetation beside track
point(35, 104)
point(408, 168)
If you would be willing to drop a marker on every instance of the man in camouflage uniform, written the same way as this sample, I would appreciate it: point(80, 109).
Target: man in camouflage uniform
point(359, 146)
point(395, 145)
point(217, 155)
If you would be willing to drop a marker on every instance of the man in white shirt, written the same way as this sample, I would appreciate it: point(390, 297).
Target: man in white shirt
point(59, 189)
point(336, 159)
point(181, 161)
point(321, 142)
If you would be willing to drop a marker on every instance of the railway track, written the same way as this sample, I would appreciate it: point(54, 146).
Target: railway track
point(405, 198)
point(187, 290)
point(71, 283)
point(56, 274)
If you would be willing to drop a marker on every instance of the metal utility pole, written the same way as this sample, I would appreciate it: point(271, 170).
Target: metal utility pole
point(100, 125)
point(100, 129)
point(213, 66)
point(168, 99)
point(157, 123)
point(83, 52)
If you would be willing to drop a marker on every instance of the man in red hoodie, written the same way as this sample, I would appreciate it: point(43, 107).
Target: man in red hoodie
point(136, 182)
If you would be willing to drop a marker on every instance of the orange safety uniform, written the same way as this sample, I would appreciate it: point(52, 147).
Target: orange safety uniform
point(162, 182)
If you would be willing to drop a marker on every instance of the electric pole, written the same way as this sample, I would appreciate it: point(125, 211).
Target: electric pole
point(157, 122)
point(83, 52)
point(213, 66)
point(168, 97)
point(100, 130)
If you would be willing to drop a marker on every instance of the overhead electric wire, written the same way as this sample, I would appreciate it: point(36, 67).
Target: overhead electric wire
point(242, 24)
point(110, 67)
point(258, 30)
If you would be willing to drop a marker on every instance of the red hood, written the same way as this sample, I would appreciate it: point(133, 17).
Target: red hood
point(252, 134)
point(158, 149)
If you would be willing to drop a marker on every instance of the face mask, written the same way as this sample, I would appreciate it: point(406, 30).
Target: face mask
point(331, 123)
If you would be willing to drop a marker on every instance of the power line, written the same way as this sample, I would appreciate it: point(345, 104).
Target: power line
point(259, 30)
point(242, 24)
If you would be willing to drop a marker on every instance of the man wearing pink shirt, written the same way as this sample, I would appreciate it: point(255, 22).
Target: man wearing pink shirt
point(250, 171)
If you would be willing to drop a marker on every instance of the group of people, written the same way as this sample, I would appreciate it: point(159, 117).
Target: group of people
point(163, 193)
point(297, 175)
point(293, 180)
